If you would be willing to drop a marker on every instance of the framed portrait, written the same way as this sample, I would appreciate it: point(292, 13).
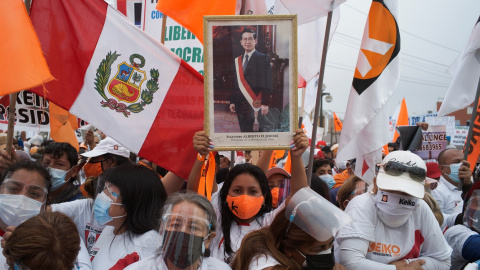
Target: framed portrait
point(250, 81)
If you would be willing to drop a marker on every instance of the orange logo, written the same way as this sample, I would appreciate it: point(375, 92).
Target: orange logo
point(380, 45)
point(383, 249)
point(115, 147)
point(385, 198)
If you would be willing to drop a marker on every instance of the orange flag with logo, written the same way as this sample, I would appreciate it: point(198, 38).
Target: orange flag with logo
point(474, 148)
point(402, 119)
point(337, 122)
point(63, 125)
point(23, 65)
point(189, 13)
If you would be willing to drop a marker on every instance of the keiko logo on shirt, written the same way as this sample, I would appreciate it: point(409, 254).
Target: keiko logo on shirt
point(385, 250)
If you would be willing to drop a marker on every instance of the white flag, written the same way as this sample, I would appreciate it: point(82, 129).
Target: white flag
point(466, 71)
point(307, 10)
point(365, 127)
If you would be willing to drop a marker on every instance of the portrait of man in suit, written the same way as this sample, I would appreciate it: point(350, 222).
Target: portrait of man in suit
point(252, 93)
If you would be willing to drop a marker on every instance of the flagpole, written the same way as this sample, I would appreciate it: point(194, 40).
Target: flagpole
point(164, 26)
point(319, 96)
point(470, 129)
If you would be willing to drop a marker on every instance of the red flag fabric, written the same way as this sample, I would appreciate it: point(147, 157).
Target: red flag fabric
point(189, 13)
point(23, 65)
point(120, 80)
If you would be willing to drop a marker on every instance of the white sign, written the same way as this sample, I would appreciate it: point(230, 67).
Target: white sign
point(31, 112)
point(177, 38)
point(448, 121)
point(460, 135)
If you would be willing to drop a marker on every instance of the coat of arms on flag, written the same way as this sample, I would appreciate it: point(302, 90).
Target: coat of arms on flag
point(126, 85)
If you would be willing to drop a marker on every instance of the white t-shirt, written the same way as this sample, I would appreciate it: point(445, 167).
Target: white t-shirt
point(456, 237)
point(81, 212)
point(420, 236)
point(156, 263)
point(123, 249)
point(261, 262)
point(448, 197)
point(237, 231)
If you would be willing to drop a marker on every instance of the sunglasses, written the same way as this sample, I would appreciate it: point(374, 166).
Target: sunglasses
point(395, 169)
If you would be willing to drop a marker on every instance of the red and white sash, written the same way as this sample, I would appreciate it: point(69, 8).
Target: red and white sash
point(254, 100)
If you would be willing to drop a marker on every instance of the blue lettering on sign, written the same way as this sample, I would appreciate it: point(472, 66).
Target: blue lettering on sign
point(157, 14)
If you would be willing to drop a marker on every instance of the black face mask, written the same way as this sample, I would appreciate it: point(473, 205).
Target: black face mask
point(178, 250)
point(320, 261)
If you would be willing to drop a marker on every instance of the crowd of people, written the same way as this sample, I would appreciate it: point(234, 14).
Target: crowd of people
point(105, 208)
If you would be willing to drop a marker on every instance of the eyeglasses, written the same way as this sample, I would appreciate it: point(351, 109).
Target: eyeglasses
point(98, 161)
point(13, 187)
point(395, 169)
point(110, 192)
point(191, 225)
point(248, 39)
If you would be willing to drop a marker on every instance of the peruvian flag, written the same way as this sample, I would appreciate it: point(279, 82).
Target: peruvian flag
point(111, 74)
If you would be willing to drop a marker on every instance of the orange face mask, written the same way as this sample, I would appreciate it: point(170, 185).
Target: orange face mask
point(244, 206)
point(275, 193)
point(92, 169)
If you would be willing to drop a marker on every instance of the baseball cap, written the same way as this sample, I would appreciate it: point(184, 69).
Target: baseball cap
point(321, 144)
point(277, 170)
point(108, 146)
point(403, 171)
point(433, 171)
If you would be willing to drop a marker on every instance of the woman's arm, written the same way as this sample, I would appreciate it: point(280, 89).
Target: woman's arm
point(202, 144)
point(264, 160)
point(299, 177)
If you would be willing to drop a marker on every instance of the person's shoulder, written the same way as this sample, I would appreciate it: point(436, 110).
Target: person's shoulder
point(259, 54)
point(76, 204)
point(212, 263)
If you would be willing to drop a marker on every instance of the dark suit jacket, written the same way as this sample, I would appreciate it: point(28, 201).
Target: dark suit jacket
point(258, 75)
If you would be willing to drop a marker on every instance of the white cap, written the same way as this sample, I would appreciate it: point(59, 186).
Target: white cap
point(108, 146)
point(404, 181)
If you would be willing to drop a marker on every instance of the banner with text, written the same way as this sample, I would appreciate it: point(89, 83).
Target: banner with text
point(460, 136)
point(448, 121)
point(177, 38)
point(31, 112)
point(434, 141)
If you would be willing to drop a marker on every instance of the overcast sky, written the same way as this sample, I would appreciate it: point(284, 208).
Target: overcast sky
point(433, 33)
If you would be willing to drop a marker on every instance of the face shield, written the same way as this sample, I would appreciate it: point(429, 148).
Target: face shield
point(184, 231)
point(315, 215)
point(471, 217)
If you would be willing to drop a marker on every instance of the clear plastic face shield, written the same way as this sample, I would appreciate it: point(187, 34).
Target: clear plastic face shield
point(471, 217)
point(280, 191)
point(315, 215)
point(185, 232)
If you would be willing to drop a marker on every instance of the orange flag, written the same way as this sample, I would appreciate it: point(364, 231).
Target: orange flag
point(23, 65)
point(474, 149)
point(338, 123)
point(62, 125)
point(288, 164)
point(189, 13)
point(402, 119)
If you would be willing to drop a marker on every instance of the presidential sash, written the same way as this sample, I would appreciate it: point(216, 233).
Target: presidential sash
point(254, 100)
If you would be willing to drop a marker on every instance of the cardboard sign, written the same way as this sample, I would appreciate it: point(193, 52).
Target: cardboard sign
point(434, 141)
point(31, 112)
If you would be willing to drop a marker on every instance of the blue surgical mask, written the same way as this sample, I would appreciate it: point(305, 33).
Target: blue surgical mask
point(100, 208)
point(58, 178)
point(328, 179)
point(454, 168)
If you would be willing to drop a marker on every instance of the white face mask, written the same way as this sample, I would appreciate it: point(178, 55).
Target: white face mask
point(394, 209)
point(15, 209)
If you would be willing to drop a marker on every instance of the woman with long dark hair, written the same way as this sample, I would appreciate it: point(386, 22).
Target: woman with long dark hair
point(130, 206)
point(244, 202)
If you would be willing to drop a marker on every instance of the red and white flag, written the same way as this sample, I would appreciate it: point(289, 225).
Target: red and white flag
point(365, 127)
point(120, 80)
point(466, 72)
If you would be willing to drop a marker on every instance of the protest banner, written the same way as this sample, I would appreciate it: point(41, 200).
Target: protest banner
point(460, 136)
point(434, 141)
point(177, 38)
point(31, 112)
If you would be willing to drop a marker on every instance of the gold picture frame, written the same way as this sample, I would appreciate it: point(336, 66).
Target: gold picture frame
point(250, 101)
